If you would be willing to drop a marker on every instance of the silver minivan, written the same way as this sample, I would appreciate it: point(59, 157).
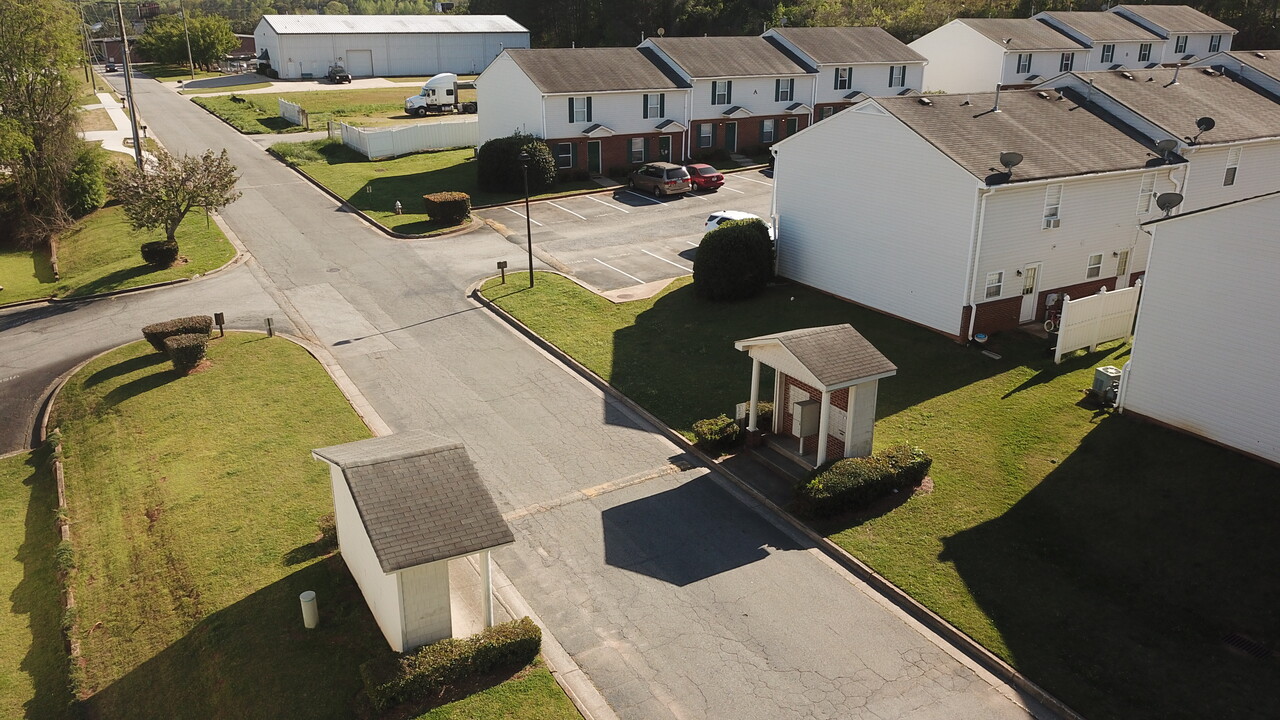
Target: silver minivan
point(661, 178)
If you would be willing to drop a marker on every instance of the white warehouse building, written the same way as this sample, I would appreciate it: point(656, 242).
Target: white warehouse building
point(302, 46)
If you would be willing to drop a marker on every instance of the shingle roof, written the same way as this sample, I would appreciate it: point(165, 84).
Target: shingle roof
point(1056, 138)
point(836, 354)
point(1104, 26)
point(1177, 18)
point(716, 57)
point(572, 70)
point(1264, 61)
point(390, 24)
point(1239, 112)
point(1022, 34)
point(849, 45)
point(420, 498)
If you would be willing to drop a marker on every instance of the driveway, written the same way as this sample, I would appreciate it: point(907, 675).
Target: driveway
point(621, 238)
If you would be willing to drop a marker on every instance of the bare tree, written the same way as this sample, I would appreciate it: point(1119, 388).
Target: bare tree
point(164, 192)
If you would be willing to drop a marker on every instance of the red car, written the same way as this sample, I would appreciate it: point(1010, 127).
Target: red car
point(704, 177)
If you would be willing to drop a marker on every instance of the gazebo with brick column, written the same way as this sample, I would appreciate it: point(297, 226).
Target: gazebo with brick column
point(821, 374)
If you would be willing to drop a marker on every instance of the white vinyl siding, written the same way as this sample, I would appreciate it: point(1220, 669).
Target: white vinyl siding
point(1145, 193)
point(381, 590)
point(1052, 207)
point(1233, 164)
point(512, 102)
point(1094, 268)
point(1024, 63)
point(995, 284)
point(961, 60)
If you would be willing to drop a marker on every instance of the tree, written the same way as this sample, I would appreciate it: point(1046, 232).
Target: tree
point(734, 261)
point(335, 8)
point(166, 39)
point(162, 194)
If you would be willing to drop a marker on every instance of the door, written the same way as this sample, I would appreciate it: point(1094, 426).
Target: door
point(593, 158)
point(664, 148)
point(793, 126)
point(359, 63)
point(1030, 278)
point(731, 136)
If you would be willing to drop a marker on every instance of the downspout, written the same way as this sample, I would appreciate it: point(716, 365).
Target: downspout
point(975, 248)
point(813, 106)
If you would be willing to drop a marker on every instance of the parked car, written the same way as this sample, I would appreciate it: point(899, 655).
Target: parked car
point(661, 178)
point(715, 219)
point(338, 74)
point(111, 67)
point(705, 177)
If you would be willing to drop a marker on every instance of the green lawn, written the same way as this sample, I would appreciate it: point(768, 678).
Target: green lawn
point(33, 667)
point(532, 694)
point(260, 113)
point(166, 72)
point(101, 254)
point(1105, 558)
point(224, 88)
point(375, 186)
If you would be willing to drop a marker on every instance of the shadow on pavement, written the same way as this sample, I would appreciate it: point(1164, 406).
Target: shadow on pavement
point(226, 81)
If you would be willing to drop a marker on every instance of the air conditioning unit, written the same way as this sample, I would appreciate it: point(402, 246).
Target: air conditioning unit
point(1106, 384)
point(1051, 223)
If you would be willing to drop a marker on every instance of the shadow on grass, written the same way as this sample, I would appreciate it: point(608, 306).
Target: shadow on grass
point(254, 659)
point(37, 596)
point(111, 281)
point(141, 362)
point(1114, 582)
point(139, 386)
point(310, 551)
point(1051, 372)
point(42, 266)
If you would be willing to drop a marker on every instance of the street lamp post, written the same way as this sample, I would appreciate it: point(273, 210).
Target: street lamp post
point(528, 227)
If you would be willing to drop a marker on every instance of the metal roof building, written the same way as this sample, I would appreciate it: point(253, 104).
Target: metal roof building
point(303, 46)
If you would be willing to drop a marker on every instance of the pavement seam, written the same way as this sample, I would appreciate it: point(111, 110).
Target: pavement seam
point(594, 491)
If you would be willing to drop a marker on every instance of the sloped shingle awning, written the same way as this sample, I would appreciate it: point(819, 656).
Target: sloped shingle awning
point(828, 358)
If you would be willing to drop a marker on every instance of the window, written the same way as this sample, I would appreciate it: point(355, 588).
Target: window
point(579, 109)
point(1145, 192)
point(1233, 162)
point(1122, 265)
point(564, 155)
point(1108, 53)
point(844, 78)
point(637, 150)
point(655, 105)
point(1144, 52)
point(1052, 204)
point(827, 112)
point(1024, 63)
point(1068, 61)
point(897, 75)
point(766, 130)
point(1095, 266)
point(721, 92)
point(784, 90)
point(1215, 43)
point(706, 134)
point(995, 284)
point(1180, 45)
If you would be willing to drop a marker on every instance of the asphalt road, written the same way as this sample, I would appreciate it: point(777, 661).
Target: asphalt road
point(676, 597)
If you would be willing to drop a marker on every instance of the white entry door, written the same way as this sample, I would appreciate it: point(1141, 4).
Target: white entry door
point(1030, 284)
point(360, 63)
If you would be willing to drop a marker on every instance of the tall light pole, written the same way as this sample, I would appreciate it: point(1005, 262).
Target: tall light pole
point(528, 227)
point(190, 63)
point(128, 86)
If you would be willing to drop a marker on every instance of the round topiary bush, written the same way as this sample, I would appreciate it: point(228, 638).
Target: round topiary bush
point(499, 168)
point(161, 253)
point(186, 351)
point(155, 333)
point(449, 207)
point(717, 433)
point(734, 261)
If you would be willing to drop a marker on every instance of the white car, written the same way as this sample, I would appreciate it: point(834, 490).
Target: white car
point(722, 216)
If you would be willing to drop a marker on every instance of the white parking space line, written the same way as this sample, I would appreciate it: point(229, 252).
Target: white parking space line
point(754, 181)
point(535, 222)
point(633, 277)
point(646, 252)
point(642, 197)
point(615, 207)
point(691, 243)
point(695, 196)
point(567, 210)
point(726, 187)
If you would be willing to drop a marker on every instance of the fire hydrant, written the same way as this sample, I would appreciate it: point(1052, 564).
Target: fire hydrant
point(399, 208)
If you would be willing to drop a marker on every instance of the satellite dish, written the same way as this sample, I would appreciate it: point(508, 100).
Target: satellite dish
point(662, 32)
point(1010, 160)
point(1167, 146)
point(1205, 124)
point(1168, 201)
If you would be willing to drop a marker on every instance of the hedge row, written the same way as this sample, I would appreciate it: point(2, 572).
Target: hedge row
point(434, 667)
point(160, 253)
point(155, 333)
point(450, 207)
point(186, 351)
point(853, 483)
point(717, 433)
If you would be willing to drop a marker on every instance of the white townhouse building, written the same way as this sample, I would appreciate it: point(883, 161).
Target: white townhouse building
point(1258, 68)
point(903, 205)
point(746, 92)
point(852, 64)
point(976, 54)
point(1113, 41)
point(597, 108)
point(1188, 33)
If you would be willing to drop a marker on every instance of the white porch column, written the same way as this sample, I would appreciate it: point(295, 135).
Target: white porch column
point(862, 416)
point(824, 422)
point(486, 571)
point(848, 421)
point(752, 411)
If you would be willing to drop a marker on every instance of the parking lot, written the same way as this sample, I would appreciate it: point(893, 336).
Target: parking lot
point(618, 238)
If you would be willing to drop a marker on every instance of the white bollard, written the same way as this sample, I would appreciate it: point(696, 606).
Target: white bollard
point(310, 611)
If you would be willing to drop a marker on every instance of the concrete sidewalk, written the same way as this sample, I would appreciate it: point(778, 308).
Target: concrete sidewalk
point(121, 139)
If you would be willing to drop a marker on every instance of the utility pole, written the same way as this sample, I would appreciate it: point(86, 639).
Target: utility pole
point(88, 50)
point(191, 63)
point(128, 86)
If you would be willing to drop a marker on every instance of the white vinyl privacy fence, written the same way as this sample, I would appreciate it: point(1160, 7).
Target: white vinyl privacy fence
point(1090, 321)
point(376, 143)
point(294, 113)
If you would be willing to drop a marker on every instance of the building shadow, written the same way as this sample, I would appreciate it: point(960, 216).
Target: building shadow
point(225, 81)
point(688, 533)
point(1115, 580)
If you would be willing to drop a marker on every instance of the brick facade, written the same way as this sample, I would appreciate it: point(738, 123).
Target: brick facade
point(839, 399)
point(615, 151)
point(1077, 291)
point(1004, 314)
point(997, 315)
point(748, 131)
point(835, 108)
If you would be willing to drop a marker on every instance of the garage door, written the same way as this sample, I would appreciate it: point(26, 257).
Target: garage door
point(360, 63)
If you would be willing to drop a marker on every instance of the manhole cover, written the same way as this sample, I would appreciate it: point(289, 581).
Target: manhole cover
point(334, 270)
point(1249, 646)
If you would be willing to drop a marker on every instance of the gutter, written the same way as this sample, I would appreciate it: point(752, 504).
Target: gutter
point(975, 249)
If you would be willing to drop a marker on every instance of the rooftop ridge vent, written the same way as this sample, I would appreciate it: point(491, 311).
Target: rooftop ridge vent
point(1043, 94)
point(1126, 75)
point(1260, 55)
point(924, 101)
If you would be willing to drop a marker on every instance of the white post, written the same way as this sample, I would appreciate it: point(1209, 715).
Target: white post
point(824, 422)
point(752, 413)
point(849, 414)
point(1062, 326)
point(487, 572)
point(1097, 320)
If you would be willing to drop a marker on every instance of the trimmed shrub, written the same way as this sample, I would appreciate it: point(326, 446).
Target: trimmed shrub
point(853, 483)
point(764, 414)
point(155, 333)
point(427, 672)
point(186, 351)
point(498, 167)
point(160, 253)
point(450, 207)
point(734, 261)
point(716, 433)
point(328, 527)
point(86, 188)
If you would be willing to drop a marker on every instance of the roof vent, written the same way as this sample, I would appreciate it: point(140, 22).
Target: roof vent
point(924, 101)
point(1007, 40)
point(1126, 75)
point(966, 102)
point(1211, 72)
point(1151, 79)
point(1260, 55)
point(1043, 94)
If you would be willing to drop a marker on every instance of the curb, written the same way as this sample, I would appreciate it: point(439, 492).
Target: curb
point(952, 635)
